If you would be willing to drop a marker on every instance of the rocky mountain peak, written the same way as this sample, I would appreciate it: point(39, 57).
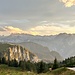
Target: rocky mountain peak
point(19, 53)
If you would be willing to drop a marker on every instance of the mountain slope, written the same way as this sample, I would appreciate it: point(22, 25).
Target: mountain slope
point(42, 52)
point(11, 52)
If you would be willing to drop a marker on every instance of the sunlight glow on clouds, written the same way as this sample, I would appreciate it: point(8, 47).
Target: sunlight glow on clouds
point(68, 3)
point(14, 30)
point(37, 17)
point(39, 30)
point(53, 30)
point(9, 30)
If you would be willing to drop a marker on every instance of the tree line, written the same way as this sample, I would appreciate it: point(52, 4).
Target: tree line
point(40, 67)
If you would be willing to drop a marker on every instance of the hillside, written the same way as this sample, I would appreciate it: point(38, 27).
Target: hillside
point(63, 71)
point(42, 52)
point(12, 51)
point(4, 46)
point(5, 70)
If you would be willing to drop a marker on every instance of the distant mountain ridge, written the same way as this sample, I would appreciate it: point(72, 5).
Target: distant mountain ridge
point(62, 43)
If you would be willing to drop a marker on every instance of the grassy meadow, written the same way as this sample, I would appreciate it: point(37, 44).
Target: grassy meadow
point(5, 70)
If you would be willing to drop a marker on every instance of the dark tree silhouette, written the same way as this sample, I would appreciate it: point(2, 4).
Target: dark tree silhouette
point(3, 60)
point(55, 65)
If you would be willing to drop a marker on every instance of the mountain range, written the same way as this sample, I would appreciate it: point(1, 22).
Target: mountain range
point(62, 43)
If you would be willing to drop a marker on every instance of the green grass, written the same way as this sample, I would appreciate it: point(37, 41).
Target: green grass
point(5, 70)
point(4, 46)
point(63, 71)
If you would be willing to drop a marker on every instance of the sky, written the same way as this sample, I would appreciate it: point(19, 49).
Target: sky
point(37, 17)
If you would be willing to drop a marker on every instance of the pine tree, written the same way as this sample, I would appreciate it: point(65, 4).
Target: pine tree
point(22, 64)
point(3, 60)
point(41, 67)
point(28, 66)
point(55, 65)
point(0, 60)
point(15, 63)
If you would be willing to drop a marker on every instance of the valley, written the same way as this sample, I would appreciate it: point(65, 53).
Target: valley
point(62, 43)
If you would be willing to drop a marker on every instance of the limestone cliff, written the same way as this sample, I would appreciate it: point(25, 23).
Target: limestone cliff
point(18, 53)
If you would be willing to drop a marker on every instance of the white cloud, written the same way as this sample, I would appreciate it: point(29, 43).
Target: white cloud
point(10, 29)
point(52, 30)
point(19, 21)
point(40, 30)
point(68, 3)
point(13, 29)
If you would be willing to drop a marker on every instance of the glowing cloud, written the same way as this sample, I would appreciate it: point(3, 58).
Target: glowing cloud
point(14, 30)
point(39, 30)
point(68, 3)
point(53, 30)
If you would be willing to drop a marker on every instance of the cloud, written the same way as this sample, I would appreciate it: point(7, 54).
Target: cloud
point(52, 30)
point(3, 23)
point(46, 30)
point(13, 29)
point(2, 29)
point(68, 3)
point(61, 23)
point(57, 23)
point(20, 21)
point(38, 30)
point(10, 29)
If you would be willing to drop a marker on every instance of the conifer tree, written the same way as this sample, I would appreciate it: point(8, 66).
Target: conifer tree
point(55, 65)
point(3, 60)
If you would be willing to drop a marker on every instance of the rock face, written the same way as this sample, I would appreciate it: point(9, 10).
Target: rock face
point(19, 53)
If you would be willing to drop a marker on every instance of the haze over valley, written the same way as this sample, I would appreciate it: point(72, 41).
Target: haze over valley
point(62, 43)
